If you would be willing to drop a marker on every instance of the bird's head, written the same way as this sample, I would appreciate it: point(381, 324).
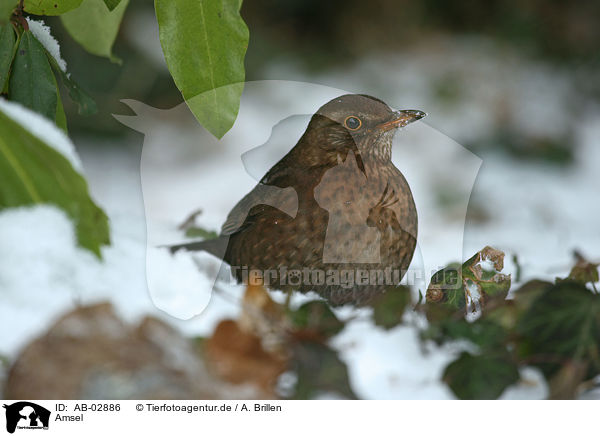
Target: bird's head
point(360, 123)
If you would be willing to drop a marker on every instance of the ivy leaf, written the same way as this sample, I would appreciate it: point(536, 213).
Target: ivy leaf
point(389, 307)
point(85, 104)
point(583, 272)
point(8, 40)
point(50, 7)
point(319, 370)
point(33, 172)
point(527, 294)
point(31, 82)
point(446, 288)
point(95, 27)
point(112, 4)
point(484, 333)
point(204, 43)
point(482, 377)
point(316, 317)
point(562, 324)
point(452, 285)
point(482, 270)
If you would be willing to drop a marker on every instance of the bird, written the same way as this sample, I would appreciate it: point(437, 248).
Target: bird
point(334, 215)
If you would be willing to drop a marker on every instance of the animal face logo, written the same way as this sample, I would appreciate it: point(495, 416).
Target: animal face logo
point(26, 415)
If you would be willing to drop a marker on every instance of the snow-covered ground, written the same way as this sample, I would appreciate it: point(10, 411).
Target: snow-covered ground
point(539, 212)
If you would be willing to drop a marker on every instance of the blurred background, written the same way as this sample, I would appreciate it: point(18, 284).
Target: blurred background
point(516, 83)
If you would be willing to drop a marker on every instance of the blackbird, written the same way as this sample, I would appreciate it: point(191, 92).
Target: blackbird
point(334, 215)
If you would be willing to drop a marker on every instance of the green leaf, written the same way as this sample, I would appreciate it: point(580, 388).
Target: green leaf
point(112, 4)
point(317, 317)
point(562, 324)
point(50, 7)
point(8, 40)
point(85, 104)
point(484, 333)
point(319, 370)
point(60, 119)
point(482, 377)
point(446, 288)
point(204, 43)
point(451, 285)
point(389, 307)
point(32, 172)
point(200, 232)
point(31, 82)
point(528, 293)
point(6, 9)
point(95, 27)
point(584, 272)
point(489, 282)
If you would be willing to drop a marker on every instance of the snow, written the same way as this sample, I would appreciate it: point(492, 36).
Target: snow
point(43, 35)
point(45, 130)
point(535, 211)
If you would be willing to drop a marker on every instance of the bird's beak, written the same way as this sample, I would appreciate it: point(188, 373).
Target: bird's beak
point(401, 119)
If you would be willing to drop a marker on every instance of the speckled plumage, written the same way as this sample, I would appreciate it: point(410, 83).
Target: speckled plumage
point(334, 202)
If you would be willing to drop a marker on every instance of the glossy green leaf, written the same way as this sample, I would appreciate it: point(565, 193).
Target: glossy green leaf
point(33, 172)
point(316, 317)
point(319, 370)
point(204, 43)
point(50, 7)
point(85, 103)
point(95, 27)
point(112, 4)
point(8, 40)
point(31, 82)
point(388, 308)
point(482, 377)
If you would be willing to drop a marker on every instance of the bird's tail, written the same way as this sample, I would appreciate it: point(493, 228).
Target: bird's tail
point(216, 247)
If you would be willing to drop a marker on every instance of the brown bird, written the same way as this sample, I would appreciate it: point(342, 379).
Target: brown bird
point(334, 215)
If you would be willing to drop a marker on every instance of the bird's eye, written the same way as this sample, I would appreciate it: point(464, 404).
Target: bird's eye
point(353, 123)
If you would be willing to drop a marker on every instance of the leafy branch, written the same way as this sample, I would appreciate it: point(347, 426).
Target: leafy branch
point(204, 44)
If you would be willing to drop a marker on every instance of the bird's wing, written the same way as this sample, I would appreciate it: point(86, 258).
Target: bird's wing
point(284, 199)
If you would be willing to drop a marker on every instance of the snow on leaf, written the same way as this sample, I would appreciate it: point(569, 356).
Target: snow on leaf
point(43, 130)
point(479, 278)
point(43, 35)
point(34, 170)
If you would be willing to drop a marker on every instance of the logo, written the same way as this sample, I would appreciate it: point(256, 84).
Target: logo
point(26, 415)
